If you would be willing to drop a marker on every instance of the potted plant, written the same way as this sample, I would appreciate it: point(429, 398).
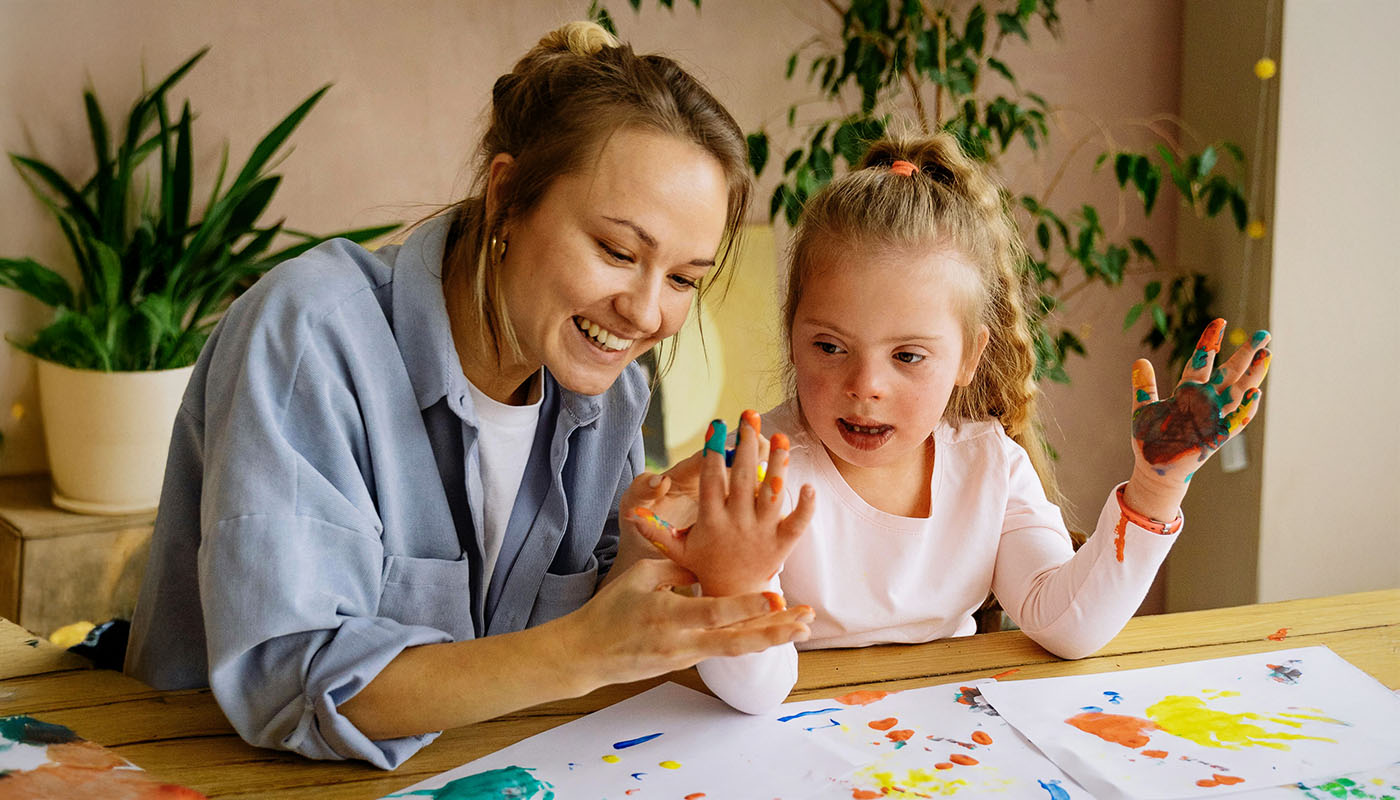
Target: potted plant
point(154, 274)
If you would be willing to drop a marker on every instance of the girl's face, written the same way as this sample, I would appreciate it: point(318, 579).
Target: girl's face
point(606, 265)
point(878, 345)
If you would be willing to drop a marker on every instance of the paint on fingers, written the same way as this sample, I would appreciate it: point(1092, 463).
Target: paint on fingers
point(714, 437)
point(1142, 383)
point(1209, 344)
point(1260, 363)
point(775, 601)
point(1188, 421)
point(1241, 416)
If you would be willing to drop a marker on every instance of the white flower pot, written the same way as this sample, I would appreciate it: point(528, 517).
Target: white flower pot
point(108, 434)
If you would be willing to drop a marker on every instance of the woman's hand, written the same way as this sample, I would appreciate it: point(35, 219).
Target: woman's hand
point(740, 537)
point(1174, 436)
point(636, 627)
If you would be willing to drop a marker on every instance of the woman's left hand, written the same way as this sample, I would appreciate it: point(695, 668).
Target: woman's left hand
point(1174, 436)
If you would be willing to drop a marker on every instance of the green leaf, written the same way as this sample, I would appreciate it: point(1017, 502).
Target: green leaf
point(975, 29)
point(1234, 150)
point(36, 280)
point(794, 158)
point(1002, 70)
point(1098, 162)
point(791, 66)
point(1206, 163)
point(1123, 167)
point(270, 143)
point(1133, 314)
point(1142, 249)
point(1159, 319)
point(109, 266)
point(1151, 290)
point(75, 205)
point(1239, 209)
point(758, 151)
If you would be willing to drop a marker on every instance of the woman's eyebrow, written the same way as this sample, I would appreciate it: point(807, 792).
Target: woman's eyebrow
point(650, 241)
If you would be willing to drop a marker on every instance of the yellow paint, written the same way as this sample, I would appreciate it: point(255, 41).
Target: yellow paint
point(915, 783)
point(670, 765)
point(1218, 695)
point(1189, 718)
point(1256, 229)
point(1265, 68)
point(612, 759)
point(1314, 718)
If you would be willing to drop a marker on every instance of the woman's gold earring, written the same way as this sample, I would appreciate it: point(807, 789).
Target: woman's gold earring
point(498, 249)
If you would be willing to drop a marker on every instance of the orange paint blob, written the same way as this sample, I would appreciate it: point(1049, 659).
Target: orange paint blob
point(1155, 753)
point(1219, 780)
point(864, 697)
point(751, 417)
point(865, 794)
point(780, 441)
point(899, 736)
point(884, 724)
point(777, 483)
point(1279, 635)
point(1120, 535)
point(943, 765)
point(981, 737)
point(1124, 730)
point(695, 796)
point(959, 758)
point(1001, 675)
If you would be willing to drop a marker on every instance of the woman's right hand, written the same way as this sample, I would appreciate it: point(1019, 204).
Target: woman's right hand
point(635, 627)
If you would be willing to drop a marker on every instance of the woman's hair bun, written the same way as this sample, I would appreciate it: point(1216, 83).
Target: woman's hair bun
point(580, 38)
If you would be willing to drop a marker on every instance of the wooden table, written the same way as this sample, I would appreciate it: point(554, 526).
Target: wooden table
point(182, 737)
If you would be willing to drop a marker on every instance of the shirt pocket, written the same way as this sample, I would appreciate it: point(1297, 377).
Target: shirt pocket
point(561, 594)
point(434, 592)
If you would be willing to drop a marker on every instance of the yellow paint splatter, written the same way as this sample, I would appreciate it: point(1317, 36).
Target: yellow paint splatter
point(1189, 718)
point(914, 784)
point(670, 765)
point(612, 759)
point(1214, 695)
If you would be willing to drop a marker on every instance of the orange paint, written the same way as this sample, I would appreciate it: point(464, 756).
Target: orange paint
point(865, 794)
point(1155, 753)
point(1279, 635)
point(864, 697)
point(884, 724)
point(777, 483)
point(695, 796)
point(1219, 780)
point(981, 737)
point(1001, 675)
point(780, 441)
point(959, 758)
point(751, 417)
point(943, 765)
point(1120, 535)
point(1117, 728)
point(899, 736)
point(632, 791)
point(775, 601)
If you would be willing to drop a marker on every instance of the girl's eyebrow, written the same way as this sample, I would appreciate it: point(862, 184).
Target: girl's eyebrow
point(650, 241)
point(909, 337)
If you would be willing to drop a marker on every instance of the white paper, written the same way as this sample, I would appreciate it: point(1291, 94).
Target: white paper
point(694, 746)
point(1209, 727)
point(929, 742)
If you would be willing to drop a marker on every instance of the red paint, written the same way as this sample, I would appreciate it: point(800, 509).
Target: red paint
point(1219, 780)
point(865, 794)
point(1155, 753)
point(1001, 675)
point(1279, 635)
point(959, 758)
point(884, 724)
point(981, 737)
point(943, 765)
point(1124, 730)
point(864, 697)
point(899, 736)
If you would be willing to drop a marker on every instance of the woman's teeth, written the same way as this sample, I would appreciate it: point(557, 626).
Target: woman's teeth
point(606, 340)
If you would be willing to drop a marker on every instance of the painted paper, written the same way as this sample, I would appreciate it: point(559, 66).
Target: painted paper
point(43, 761)
point(1209, 727)
point(667, 742)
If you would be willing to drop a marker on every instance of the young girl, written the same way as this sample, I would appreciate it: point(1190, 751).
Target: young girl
point(912, 415)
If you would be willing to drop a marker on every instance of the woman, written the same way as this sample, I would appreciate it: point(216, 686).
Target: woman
point(393, 484)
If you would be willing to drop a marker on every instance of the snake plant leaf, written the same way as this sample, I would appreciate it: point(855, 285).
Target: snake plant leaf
point(35, 280)
point(109, 266)
point(77, 205)
point(102, 153)
point(270, 143)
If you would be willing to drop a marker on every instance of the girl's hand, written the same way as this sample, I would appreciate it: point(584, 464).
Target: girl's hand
point(636, 627)
point(740, 538)
point(1174, 436)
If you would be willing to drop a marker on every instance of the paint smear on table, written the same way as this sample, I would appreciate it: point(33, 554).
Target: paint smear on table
point(42, 760)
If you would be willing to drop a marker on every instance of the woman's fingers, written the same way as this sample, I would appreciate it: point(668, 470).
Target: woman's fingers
point(1203, 358)
point(759, 633)
point(1144, 384)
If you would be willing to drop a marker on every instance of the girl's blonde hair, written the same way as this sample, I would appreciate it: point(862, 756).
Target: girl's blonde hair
point(949, 201)
point(552, 114)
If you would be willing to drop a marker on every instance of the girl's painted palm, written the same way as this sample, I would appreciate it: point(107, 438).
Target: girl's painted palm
point(1173, 436)
point(740, 536)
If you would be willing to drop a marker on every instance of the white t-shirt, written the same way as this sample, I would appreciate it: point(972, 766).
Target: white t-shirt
point(872, 577)
point(504, 437)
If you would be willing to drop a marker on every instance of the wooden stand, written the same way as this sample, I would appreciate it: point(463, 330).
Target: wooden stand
point(57, 567)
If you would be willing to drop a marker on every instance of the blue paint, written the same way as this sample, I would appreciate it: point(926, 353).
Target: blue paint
point(626, 743)
point(1113, 697)
point(1091, 708)
point(792, 717)
point(834, 724)
point(1053, 787)
point(638, 775)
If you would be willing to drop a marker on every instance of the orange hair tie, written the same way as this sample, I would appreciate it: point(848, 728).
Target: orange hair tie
point(904, 168)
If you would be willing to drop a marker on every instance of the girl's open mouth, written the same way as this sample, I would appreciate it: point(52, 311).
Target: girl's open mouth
point(864, 437)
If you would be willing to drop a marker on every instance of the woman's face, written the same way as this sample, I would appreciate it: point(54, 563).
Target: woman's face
point(606, 265)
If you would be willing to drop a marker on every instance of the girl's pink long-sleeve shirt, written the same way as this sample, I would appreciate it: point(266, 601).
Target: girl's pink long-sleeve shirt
point(874, 578)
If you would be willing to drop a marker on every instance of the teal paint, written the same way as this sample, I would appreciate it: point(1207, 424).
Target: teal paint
point(714, 440)
point(27, 730)
point(1143, 396)
point(1259, 337)
point(1199, 358)
point(507, 783)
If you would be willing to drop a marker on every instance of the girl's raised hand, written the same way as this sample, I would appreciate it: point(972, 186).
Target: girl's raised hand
point(740, 537)
point(1174, 436)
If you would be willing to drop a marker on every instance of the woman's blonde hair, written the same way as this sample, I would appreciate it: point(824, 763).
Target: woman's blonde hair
point(949, 201)
point(552, 114)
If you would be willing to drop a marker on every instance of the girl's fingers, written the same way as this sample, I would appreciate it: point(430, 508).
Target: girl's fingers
point(1240, 417)
point(1144, 384)
point(663, 535)
point(771, 492)
point(1207, 347)
point(1233, 394)
point(713, 481)
point(795, 524)
point(1226, 375)
point(743, 478)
